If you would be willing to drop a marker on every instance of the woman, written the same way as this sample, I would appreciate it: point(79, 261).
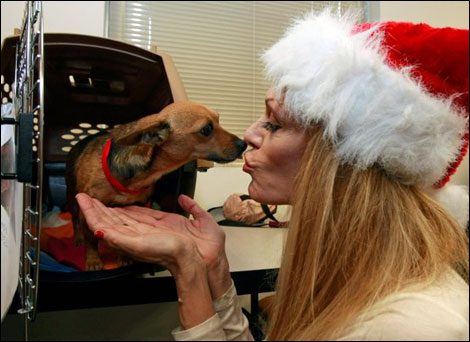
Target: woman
point(362, 146)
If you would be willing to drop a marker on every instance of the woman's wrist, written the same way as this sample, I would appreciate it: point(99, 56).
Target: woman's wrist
point(219, 277)
point(193, 291)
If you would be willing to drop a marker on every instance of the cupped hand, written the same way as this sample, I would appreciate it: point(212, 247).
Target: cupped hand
point(143, 241)
point(202, 228)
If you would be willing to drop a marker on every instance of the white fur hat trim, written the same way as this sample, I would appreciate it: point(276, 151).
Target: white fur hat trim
point(371, 112)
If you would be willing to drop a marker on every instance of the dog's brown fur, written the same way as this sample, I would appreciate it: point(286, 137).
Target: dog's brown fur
point(142, 152)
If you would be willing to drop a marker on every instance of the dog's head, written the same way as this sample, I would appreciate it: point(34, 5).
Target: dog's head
point(181, 132)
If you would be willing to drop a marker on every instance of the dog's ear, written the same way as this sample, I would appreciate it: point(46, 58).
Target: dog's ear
point(153, 135)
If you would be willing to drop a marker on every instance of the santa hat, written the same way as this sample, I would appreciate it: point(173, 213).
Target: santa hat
point(389, 94)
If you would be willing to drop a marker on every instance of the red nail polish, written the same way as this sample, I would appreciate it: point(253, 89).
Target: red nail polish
point(99, 234)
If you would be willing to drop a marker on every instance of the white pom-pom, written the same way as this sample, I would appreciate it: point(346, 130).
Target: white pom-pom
point(454, 198)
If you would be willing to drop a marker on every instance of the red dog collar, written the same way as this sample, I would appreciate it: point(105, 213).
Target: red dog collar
point(114, 182)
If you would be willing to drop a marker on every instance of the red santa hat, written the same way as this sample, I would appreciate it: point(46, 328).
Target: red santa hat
point(390, 94)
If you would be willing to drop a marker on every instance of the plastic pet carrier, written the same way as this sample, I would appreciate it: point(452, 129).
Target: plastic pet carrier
point(58, 89)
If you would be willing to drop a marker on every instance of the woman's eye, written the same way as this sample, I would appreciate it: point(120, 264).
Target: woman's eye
point(271, 127)
point(207, 130)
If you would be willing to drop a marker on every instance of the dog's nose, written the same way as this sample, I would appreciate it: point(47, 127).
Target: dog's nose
point(241, 146)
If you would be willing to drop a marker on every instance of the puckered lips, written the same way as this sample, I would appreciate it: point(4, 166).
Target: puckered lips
point(247, 166)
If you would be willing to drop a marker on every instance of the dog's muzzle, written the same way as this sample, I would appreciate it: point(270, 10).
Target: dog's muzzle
point(230, 154)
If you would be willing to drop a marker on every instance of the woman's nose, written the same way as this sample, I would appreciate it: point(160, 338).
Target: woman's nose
point(253, 136)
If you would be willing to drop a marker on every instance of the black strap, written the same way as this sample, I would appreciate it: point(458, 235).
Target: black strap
point(265, 208)
point(268, 212)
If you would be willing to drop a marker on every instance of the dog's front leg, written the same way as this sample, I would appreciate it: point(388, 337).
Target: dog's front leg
point(93, 261)
point(78, 220)
point(84, 235)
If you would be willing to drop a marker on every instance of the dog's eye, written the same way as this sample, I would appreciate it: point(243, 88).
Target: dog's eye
point(207, 130)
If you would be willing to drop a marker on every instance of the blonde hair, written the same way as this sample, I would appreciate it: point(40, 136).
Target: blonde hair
point(355, 236)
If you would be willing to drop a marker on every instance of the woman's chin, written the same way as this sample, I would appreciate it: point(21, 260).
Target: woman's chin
point(266, 195)
point(253, 192)
point(259, 194)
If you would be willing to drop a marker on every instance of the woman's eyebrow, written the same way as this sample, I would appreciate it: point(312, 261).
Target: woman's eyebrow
point(272, 110)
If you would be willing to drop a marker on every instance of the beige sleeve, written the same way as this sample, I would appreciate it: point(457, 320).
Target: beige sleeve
point(234, 322)
point(209, 330)
point(228, 324)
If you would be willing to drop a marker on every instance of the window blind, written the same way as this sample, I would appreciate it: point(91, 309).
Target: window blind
point(215, 45)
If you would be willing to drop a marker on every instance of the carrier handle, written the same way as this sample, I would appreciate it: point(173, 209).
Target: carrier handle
point(24, 155)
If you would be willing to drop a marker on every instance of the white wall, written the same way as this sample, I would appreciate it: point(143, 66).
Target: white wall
point(434, 13)
point(154, 321)
point(84, 17)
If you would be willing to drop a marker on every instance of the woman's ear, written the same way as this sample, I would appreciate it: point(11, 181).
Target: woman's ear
point(153, 135)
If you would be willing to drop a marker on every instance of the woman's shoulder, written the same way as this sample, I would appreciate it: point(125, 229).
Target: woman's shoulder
point(439, 311)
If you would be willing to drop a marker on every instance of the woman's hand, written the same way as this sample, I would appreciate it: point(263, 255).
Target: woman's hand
point(153, 243)
point(142, 241)
point(155, 236)
point(203, 230)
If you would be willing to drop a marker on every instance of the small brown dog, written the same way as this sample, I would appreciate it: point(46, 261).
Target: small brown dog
point(121, 167)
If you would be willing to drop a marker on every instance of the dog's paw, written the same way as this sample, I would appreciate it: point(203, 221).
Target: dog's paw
point(123, 260)
point(93, 263)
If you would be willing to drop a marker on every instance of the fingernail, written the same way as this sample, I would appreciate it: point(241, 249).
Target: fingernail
point(99, 234)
